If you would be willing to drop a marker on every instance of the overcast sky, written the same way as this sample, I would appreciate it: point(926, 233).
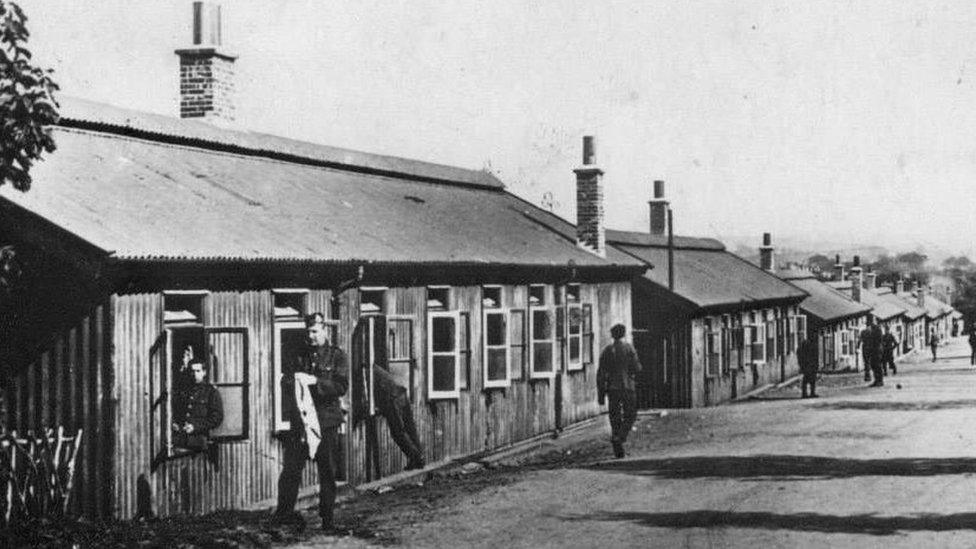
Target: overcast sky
point(849, 120)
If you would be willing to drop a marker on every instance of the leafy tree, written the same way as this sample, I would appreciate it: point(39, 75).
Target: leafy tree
point(820, 263)
point(27, 104)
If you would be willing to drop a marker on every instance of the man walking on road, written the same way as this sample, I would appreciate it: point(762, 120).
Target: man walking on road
point(934, 344)
point(615, 380)
point(871, 352)
point(888, 346)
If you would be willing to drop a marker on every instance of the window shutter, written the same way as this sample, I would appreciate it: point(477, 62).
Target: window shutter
point(229, 374)
point(160, 441)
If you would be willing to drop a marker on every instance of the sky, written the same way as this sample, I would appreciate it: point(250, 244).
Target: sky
point(848, 121)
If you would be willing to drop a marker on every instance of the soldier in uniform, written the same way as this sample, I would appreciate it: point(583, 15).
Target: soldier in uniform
point(615, 380)
point(934, 345)
point(809, 365)
point(871, 351)
point(888, 346)
point(200, 410)
point(324, 368)
point(393, 403)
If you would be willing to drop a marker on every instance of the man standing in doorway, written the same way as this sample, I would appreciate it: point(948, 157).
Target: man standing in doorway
point(322, 370)
point(615, 380)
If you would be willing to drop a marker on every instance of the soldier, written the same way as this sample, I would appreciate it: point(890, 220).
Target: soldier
point(809, 365)
point(888, 346)
point(200, 410)
point(394, 404)
point(615, 378)
point(871, 352)
point(972, 347)
point(324, 371)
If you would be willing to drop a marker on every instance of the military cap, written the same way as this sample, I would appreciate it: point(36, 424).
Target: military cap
point(313, 319)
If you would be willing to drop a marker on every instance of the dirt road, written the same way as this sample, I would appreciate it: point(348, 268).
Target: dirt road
point(859, 467)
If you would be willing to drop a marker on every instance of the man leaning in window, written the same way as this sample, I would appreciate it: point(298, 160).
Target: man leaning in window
point(200, 410)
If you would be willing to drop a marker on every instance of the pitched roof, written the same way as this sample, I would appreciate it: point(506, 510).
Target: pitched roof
point(881, 307)
point(912, 310)
point(647, 239)
point(705, 274)
point(936, 308)
point(824, 302)
point(146, 199)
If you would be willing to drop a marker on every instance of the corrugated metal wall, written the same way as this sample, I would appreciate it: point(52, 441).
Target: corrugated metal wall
point(479, 420)
point(68, 385)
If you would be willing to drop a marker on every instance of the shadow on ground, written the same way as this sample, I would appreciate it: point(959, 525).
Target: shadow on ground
point(896, 406)
point(778, 467)
point(801, 522)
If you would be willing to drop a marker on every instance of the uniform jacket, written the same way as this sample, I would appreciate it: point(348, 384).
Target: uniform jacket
point(618, 368)
point(330, 366)
point(871, 341)
point(203, 409)
point(808, 357)
point(888, 345)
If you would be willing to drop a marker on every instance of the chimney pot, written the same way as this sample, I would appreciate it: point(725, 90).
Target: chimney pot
point(658, 189)
point(589, 150)
point(767, 239)
point(766, 261)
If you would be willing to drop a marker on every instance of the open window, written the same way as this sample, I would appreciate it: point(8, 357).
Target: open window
point(229, 374)
point(496, 356)
point(542, 335)
point(757, 342)
point(400, 348)
point(443, 355)
point(372, 301)
point(518, 342)
point(438, 298)
point(574, 327)
point(713, 349)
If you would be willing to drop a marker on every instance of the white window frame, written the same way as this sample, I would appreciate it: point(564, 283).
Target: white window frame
point(280, 424)
point(506, 317)
point(455, 393)
point(533, 374)
point(759, 330)
point(572, 365)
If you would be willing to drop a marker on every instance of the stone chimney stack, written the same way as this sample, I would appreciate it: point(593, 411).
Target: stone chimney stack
point(659, 210)
point(920, 294)
point(207, 69)
point(590, 230)
point(899, 285)
point(838, 269)
point(871, 280)
point(856, 282)
point(766, 261)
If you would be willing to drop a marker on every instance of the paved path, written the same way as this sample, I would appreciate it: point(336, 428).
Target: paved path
point(859, 467)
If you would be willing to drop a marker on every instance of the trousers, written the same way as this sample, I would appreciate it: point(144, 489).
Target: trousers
point(623, 413)
point(295, 457)
point(809, 380)
point(403, 430)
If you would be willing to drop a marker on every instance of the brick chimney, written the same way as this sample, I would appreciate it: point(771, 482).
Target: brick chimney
point(856, 282)
point(838, 269)
point(659, 210)
point(920, 294)
point(871, 280)
point(207, 69)
point(899, 285)
point(766, 261)
point(590, 229)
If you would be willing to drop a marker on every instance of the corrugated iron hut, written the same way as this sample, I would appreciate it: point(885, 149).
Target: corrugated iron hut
point(709, 325)
point(147, 240)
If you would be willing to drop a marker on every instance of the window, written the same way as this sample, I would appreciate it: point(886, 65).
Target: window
point(229, 374)
point(757, 341)
point(726, 339)
point(496, 351)
point(400, 348)
point(465, 350)
point(491, 297)
point(438, 298)
point(443, 354)
point(372, 301)
point(587, 334)
point(574, 314)
point(771, 336)
point(542, 334)
point(517, 343)
point(713, 349)
point(800, 329)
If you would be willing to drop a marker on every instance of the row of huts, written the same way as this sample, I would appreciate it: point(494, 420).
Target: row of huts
point(148, 240)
